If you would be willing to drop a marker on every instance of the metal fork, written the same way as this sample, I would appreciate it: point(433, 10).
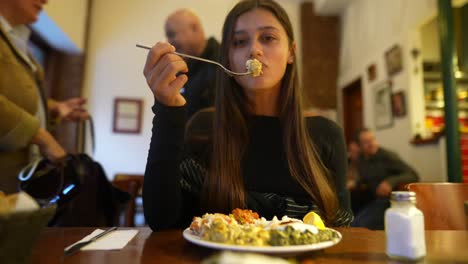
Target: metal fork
point(77, 247)
point(229, 72)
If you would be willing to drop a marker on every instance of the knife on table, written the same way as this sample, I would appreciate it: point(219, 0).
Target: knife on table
point(77, 247)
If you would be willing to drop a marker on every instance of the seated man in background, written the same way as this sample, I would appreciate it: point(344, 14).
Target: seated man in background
point(185, 32)
point(381, 171)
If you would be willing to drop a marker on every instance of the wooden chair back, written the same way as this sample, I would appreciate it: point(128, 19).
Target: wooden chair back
point(131, 183)
point(442, 204)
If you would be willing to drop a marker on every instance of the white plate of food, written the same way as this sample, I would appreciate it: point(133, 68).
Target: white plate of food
point(193, 238)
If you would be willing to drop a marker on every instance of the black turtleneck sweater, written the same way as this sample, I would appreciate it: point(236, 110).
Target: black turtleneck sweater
point(174, 170)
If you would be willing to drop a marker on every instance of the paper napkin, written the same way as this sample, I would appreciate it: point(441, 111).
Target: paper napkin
point(115, 240)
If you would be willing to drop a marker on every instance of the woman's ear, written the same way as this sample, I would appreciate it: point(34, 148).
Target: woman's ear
point(292, 53)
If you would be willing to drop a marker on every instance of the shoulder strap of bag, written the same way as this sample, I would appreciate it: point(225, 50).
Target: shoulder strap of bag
point(28, 170)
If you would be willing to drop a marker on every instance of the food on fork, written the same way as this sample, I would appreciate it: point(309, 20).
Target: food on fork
point(244, 227)
point(254, 67)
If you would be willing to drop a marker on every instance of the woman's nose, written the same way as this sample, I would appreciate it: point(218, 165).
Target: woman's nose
point(256, 49)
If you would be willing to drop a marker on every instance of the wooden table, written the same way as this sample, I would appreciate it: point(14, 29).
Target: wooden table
point(357, 246)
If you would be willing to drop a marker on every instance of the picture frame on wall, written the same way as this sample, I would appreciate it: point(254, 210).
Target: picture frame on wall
point(394, 60)
point(383, 112)
point(127, 115)
point(372, 72)
point(399, 104)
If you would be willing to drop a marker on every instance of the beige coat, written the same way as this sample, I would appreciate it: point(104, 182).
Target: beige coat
point(19, 98)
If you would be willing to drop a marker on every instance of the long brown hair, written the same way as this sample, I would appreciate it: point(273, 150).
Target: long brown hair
point(224, 187)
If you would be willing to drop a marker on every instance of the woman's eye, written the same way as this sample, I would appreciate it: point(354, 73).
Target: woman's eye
point(268, 38)
point(239, 42)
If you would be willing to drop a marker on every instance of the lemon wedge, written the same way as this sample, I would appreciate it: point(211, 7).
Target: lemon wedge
point(313, 218)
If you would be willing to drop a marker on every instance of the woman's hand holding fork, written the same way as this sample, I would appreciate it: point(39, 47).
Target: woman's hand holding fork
point(163, 74)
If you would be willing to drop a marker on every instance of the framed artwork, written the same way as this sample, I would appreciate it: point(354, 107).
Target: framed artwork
point(383, 112)
point(372, 72)
point(394, 60)
point(399, 104)
point(127, 115)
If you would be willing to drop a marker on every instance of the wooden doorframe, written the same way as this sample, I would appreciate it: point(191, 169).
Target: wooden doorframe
point(353, 110)
point(63, 79)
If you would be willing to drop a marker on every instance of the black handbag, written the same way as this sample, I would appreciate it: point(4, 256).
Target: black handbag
point(51, 183)
point(56, 183)
point(78, 186)
point(80, 189)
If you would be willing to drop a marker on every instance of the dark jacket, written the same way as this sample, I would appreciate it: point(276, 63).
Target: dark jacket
point(199, 91)
point(384, 165)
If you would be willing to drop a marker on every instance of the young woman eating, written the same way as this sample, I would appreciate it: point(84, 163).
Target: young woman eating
point(257, 149)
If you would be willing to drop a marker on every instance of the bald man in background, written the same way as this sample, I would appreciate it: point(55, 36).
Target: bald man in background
point(185, 32)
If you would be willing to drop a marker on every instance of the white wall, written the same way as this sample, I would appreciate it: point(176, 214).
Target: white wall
point(70, 15)
point(369, 29)
point(114, 67)
point(62, 25)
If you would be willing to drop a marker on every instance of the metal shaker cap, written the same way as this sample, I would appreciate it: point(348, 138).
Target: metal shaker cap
point(400, 196)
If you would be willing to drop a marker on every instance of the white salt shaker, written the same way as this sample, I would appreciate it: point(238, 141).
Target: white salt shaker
point(404, 227)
